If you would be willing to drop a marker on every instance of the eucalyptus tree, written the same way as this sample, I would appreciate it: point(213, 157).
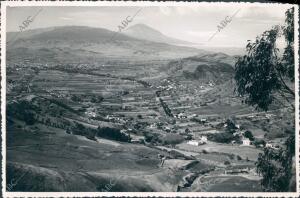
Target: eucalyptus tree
point(262, 77)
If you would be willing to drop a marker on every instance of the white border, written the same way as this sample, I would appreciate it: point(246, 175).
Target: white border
point(4, 4)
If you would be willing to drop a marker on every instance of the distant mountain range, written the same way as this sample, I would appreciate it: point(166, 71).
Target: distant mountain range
point(79, 44)
point(72, 42)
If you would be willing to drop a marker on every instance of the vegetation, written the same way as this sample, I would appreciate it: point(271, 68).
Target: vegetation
point(105, 132)
point(249, 135)
point(262, 77)
point(226, 163)
point(276, 167)
point(172, 139)
point(151, 137)
point(80, 129)
point(113, 133)
point(22, 110)
point(259, 142)
point(261, 74)
point(230, 126)
point(166, 108)
point(223, 137)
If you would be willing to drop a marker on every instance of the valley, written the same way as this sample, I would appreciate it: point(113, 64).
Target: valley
point(89, 116)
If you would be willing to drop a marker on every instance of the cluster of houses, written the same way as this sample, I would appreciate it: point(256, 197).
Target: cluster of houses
point(91, 113)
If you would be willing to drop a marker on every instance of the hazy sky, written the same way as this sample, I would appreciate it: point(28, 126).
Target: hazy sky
point(191, 23)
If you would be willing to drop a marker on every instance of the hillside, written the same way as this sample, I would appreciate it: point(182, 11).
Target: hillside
point(144, 32)
point(216, 68)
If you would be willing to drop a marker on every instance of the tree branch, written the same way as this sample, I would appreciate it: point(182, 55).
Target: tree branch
point(289, 102)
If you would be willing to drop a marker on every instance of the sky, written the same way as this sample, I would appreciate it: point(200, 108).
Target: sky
point(195, 24)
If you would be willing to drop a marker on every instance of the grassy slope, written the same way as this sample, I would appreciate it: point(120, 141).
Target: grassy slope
point(60, 162)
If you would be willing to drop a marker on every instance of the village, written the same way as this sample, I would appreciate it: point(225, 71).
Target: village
point(186, 119)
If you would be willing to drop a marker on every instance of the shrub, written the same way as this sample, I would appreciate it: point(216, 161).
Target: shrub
point(223, 137)
point(112, 133)
point(23, 111)
point(258, 142)
point(249, 135)
point(172, 139)
point(227, 163)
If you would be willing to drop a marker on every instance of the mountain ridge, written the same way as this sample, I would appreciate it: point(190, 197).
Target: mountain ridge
point(105, 44)
point(146, 32)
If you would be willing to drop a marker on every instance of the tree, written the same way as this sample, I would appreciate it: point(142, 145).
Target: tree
point(230, 128)
point(261, 75)
point(276, 168)
point(249, 135)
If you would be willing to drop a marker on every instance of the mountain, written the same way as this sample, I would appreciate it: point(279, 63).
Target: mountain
point(13, 36)
point(217, 68)
point(144, 32)
point(80, 43)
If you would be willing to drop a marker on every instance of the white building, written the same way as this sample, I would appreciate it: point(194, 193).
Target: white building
point(203, 138)
point(193, 142)
point(152, 126)
point(203, 120)
point(269, 145)
point(246, 142)
point(196, 143)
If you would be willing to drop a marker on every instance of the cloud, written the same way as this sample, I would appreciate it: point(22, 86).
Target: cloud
point(65, 18)
point(262, 14)
point(165, 10)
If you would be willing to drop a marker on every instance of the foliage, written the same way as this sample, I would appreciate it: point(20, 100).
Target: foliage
point(172, 139)
point(276, 167)
point(259, 142)
point(249, 135)
point(230, 126)
point(96, 99)
point(113, 134)
point(261, 77)
point(23, 110)
point(151, 137)
point(223, 137)
point(80, 129)
point(261, 73)
point(227, 163)
point(62, 104)
point(166, 108)
point(288, 54)
point(105, 132)
point(238, 157)
point(76, 98)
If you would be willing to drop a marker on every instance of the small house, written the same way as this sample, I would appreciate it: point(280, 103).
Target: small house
point(203, 138)
point(268, 145)
point(193, 142)
point(196, 143)
point(203, 120)
point(246, 142)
